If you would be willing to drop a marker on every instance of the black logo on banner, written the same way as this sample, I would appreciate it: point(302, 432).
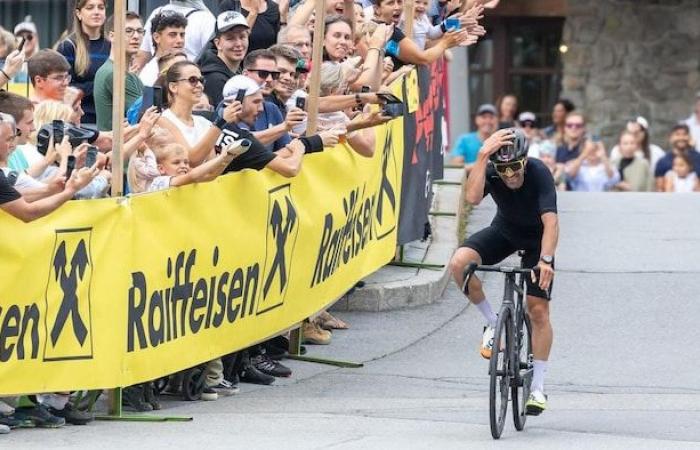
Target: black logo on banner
point(282, 231)
point(68, 297)
point(385, 212)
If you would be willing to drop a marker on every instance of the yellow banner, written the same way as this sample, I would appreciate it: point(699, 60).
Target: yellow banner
point(108, 293)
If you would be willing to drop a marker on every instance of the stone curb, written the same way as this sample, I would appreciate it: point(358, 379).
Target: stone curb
point(393, 287)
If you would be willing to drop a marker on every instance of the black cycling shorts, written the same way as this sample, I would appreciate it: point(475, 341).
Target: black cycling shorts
point(495, 243)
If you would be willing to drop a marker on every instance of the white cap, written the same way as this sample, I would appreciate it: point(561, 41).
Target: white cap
point(240, 82)
point(642, 122)
point(27, 25)
point(229, 19)
point(527, 116)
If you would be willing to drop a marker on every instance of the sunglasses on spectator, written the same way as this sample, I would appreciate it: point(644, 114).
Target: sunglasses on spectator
point(266, 73)
point(130, 31)
point(26, 36)
point(528, 124)
point(194, 81)
point(574, 125)
point(512, 166)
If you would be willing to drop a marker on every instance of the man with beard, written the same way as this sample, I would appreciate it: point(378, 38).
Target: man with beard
point(231, 42)
point(524, 191)
point(680, 145)
point(271, 127)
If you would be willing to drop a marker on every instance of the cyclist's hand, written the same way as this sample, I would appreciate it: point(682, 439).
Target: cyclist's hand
point(496, 141)
point(546, 275)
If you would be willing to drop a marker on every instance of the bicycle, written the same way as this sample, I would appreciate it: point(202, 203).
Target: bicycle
point(510, 365)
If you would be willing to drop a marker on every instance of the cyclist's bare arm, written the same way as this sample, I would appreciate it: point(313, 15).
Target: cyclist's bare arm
point(477, 175)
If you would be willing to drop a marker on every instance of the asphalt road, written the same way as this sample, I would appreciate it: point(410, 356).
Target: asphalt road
point(623, 370)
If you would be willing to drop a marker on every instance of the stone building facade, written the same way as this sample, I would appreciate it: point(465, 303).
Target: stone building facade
point(632, 57)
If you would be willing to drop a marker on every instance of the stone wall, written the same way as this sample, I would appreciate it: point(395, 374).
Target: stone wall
point(632, 57)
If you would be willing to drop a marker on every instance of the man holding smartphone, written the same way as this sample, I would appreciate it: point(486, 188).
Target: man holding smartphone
point(104, 78)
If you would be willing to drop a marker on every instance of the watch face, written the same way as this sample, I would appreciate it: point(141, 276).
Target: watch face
point(547, 259)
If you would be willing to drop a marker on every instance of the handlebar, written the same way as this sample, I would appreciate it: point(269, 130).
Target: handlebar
point(474, 267)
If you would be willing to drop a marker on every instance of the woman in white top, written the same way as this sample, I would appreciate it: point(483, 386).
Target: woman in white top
point(640, 129)
point(184, 87)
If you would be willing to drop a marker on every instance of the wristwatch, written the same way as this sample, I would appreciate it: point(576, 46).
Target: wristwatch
point(547, 259)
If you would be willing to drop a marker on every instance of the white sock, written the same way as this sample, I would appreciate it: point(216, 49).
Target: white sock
point(539, 369)
point(487, 312)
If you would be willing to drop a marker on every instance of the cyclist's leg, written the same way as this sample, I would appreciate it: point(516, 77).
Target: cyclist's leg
point(542, 334)
point(488, 246)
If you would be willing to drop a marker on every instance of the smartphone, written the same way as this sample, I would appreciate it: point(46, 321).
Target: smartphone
point(240, 95)
point(70, 166)
point(20, 47)
point(393, 110)
point(389, 98)
point(301, 103)
point(365, 89)
point(452, 23)
point(57, 131)
point(158, 98)
point(91, 156)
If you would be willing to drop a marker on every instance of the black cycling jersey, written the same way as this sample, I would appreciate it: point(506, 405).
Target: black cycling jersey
point(522, 208)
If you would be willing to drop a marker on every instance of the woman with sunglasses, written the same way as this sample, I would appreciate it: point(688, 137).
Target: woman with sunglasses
point(527, 220)
point(183, 88)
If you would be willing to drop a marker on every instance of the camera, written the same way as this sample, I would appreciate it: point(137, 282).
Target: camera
point(76, 135)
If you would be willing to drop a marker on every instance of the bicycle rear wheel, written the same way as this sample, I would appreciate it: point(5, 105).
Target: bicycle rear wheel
point(500, 372)
point(520, 389)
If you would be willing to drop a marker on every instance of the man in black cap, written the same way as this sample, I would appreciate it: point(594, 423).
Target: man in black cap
point(231, 43)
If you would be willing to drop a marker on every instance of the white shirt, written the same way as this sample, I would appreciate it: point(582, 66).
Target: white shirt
point(192, 134)
point(694, 126)
point(149, 73)
point(200, 29)
point(160, 183)
point(594, 178)
point(24, 181)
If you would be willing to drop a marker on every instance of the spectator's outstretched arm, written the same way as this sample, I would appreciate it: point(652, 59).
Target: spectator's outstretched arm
point(206, 171)
point(288, 164)
point(411, 53)
point(28, 212)
point(13, 64)
point(302, 14)
point(374, 61)
point(333, 103)
point(294, 117)
point(144, 131)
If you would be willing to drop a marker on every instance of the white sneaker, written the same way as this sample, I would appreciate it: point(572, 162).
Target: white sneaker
point(536, 403)
point(487, 342)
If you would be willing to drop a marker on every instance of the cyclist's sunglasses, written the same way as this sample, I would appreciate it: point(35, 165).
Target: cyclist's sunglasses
point(510, 167)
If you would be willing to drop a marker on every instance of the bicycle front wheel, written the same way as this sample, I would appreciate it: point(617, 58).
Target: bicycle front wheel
point(500, 372)
point(520, 389)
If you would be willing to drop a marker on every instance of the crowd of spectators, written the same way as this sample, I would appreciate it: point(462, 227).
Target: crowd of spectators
point(206, 93)
point(578, 158)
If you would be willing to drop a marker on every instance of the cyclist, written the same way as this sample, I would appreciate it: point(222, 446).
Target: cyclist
point(524, 192)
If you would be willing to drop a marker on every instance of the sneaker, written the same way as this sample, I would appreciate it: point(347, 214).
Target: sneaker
point(209, 394)
point(72, 415)
point(225, 388)
point(5, 409)
point(10, 421)
point(536, 403)
point(151, 396)
point(487, 342)
point(39, 416)
point(266, 365)
point(249, 374)
point(133, 397)
point(313, 334)
point(4, 429)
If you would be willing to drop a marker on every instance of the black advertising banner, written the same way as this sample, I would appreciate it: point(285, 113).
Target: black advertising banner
point(423, 158)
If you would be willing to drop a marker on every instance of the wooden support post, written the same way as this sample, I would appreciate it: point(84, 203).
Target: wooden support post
point(408, 7)
point(317, 60)
point(118, 45)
